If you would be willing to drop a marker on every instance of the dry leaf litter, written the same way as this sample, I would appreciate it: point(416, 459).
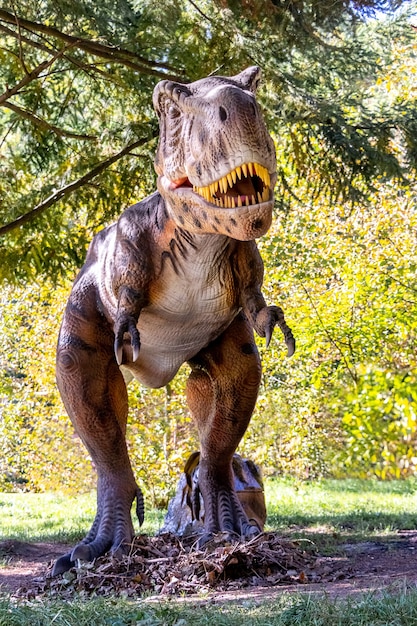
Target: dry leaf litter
point(168, 565)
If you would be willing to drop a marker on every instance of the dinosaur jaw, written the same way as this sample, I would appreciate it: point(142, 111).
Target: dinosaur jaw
point(247, 185)
point(238, 205)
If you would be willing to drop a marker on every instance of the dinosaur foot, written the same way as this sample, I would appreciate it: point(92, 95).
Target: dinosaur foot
point(112, 531)
point(224, 516)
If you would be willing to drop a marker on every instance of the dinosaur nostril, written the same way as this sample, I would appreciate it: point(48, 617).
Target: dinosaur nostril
point(223, 114)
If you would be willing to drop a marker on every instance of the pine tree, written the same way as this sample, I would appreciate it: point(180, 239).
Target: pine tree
point(77, 130)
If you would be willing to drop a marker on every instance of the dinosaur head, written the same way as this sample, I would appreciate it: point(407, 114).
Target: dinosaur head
point(215, 158)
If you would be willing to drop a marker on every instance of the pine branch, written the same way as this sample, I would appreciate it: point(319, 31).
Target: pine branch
point(23, 39)
point(44, 125)
point(69, 189)
point(28, 78)
point(111, 53)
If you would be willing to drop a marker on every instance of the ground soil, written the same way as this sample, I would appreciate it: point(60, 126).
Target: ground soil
point(161, 567)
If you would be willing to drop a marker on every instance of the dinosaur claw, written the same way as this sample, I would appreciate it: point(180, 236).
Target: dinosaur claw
point(118, 350)
point(128, 326)
point(135, 352)
point(290, 341)
point(134, 341)
point(81, 552)
point(267, 318)
point(268, 335)
point(63, 564)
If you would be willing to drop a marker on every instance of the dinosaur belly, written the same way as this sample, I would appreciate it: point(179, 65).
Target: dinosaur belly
point(178, 323)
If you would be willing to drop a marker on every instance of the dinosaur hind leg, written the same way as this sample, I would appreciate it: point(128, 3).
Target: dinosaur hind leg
point(94, 394)
point(221, 393)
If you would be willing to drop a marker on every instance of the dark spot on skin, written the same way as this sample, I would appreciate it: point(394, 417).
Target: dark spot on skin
point(204, 215)
point(216, 219)
point(233, 221)
point(257, 224)
point(197, 223)
point(185, 208)
point(228, 230)
point(181, 219)
point(248, 348)
point(198, 169)
point(223, 114)
point(202, 137)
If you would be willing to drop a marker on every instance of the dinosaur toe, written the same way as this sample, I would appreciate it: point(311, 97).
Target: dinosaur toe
point(63, 564)
point(112, 530)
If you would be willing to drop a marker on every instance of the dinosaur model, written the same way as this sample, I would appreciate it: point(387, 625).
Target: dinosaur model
point(177, 279)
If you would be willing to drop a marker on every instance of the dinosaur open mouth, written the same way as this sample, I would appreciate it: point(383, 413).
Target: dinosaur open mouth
point(247, 184)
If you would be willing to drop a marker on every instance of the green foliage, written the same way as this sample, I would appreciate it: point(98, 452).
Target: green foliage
point(35, 434)
point(161, 437)
point(345, 403)
point(77, 127)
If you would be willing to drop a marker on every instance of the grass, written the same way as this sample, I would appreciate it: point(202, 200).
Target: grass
point(348, 510)
point(386, 609)
point(54, 516)
point(328, 513)
point(332, 512)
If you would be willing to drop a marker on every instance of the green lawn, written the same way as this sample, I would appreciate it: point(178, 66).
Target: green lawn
point(332, 512)
point(293, 609)
point(349, 509)
point(54, 516)
point(328, 513)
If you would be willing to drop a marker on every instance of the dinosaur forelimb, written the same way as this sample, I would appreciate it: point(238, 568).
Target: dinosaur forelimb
point(266, 320)
point(129, 306)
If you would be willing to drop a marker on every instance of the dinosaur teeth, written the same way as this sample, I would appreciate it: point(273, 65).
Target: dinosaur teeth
point(228, 192)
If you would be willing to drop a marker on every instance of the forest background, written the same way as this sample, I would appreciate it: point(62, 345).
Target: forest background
point(77, 138)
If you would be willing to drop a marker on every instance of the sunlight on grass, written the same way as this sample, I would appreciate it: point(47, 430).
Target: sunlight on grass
point(351, 507)
point(326, 514)
point(327, 508)
point(53, 516)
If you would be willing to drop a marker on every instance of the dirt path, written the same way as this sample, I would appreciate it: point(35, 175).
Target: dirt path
point(359, 567)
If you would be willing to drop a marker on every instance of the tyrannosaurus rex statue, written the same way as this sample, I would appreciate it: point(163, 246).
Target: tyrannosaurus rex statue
point(177, 279)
